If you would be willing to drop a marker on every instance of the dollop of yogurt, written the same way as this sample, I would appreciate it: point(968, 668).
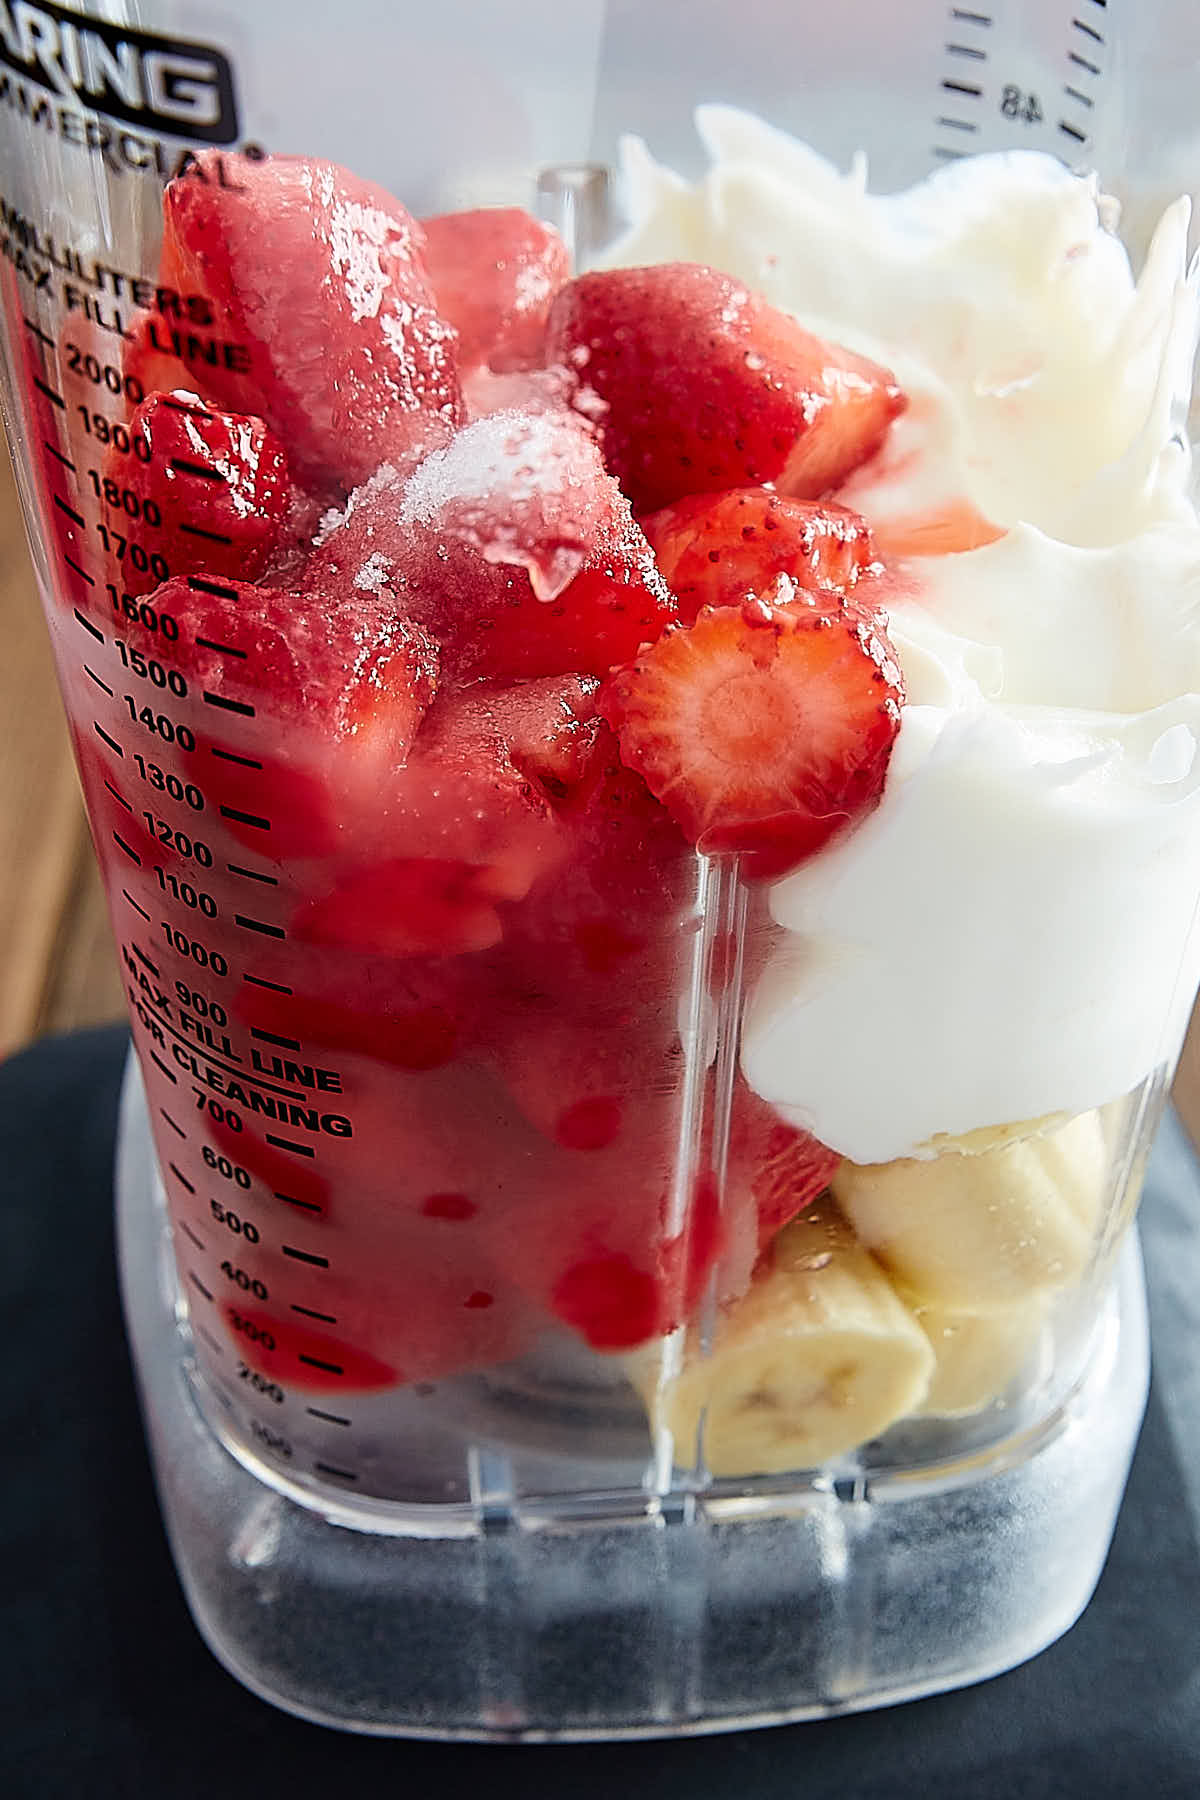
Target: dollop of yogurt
point(1012, 932)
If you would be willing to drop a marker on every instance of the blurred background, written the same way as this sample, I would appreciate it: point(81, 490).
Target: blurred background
point(58, 968)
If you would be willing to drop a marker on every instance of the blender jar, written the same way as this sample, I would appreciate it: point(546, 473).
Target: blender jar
point(589, 1274)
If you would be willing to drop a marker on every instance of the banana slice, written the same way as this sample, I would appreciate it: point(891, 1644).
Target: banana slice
point(976, 1355)
point(816, 1357)
point(989, 1222)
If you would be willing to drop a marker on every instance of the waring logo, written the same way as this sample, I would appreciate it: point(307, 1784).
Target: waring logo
point(162, 84)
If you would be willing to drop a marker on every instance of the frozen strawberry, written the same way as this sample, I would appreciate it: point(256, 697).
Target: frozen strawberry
point(219, 481)
point(547, 728)
point(393, 1017)
point(327, 323)
point(460, 832)
point(696, 384)
point(308, 703)
point(512, 545)
point(763, 729)
point(714, 549)
point(495, 272)
point(782, 1167)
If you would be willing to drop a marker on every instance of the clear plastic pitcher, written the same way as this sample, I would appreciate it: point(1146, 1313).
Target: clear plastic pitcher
point(650, 821)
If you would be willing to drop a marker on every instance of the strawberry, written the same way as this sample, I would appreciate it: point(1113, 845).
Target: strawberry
point(763, 729)
point(495, 272)
point(714, 549)
point(782, 1167)
point(219, 480)
point(309, 703)
point(512, 545)
point(697, 384)
point(325, 323)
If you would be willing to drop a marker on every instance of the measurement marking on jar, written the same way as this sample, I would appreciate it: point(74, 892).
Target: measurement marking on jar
point(1076, 94)
point(314, 1362)
point(252, 875)
point(131, 853)
point(58, 455)
point(967, 50)
point(290, 1199)
point(110, 741)
point(43, 336)
point(329, 1418)
point(199, 585)
point(136, 907)
point(118, 796)
point(207, 1056)
point(182, 467)
point(259, 925)
point(159, 1063)
point(81, 572)
point(49, 393)
point(88, 626)
point(946, 153)
point(340, 1474)
point(92, 676)
point(210, 537)
point(179, 1175)
point(196, 1282)
point(305, 1256)
point(244, 762)
point(62, 506)
point(177, 1129)
point(1081, 62)
point(970, 88)
point(212, 1342)
point(143, 958)
point(272, 1037)
point(970, 18)
point(221, 649)
point(227, 705)
point(282, 1143)
point(1072, 131)
point(959, 124)
point(196, 1239)
point(310, 1313)
point(244, 818)
point(1088, 31)
point(276, 987)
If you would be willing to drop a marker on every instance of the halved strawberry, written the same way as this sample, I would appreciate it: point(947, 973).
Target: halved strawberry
point(327, 326)
point(220, 481)
point(494, 271)
point(512, 545)
point(697, 384)
point(714, 549)
point(763, 729)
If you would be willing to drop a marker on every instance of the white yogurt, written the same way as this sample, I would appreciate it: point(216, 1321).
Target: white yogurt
point(1010, 933)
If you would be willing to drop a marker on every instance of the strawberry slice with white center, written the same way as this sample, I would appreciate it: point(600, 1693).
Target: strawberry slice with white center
point(764, 729)
point(714, 549)
point(696, 384)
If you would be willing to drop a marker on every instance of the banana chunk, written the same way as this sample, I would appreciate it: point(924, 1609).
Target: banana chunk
point(989, 1222)
point(976, 1355)
point(816, 1357)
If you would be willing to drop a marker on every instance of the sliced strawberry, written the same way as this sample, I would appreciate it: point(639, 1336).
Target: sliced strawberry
point(220, 482)
point(495, 272)
point(781, 1167)
point(698, 384)
point(763, 729)
point(327, 323)
point(714, 549)
point(512, 545)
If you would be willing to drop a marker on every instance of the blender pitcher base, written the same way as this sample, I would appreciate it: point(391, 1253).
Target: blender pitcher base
point(652, 1618)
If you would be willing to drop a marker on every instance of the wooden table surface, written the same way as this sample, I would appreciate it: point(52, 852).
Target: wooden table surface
point(58, 968)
